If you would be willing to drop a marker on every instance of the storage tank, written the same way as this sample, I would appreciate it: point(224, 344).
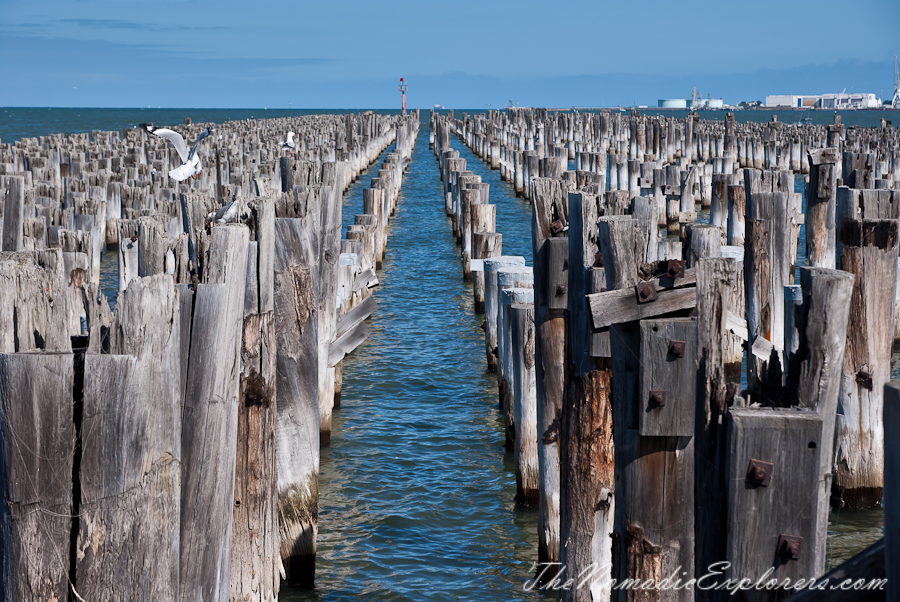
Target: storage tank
point(672, 103)
point(716, 103)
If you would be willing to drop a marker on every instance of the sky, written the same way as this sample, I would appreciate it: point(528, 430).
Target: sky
point(461, 54)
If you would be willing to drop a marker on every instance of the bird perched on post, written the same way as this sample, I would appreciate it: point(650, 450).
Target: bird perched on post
point(289, 144)
point(190, 166)
point(225, 215)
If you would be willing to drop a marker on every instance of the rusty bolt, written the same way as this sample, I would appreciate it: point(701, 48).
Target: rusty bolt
point(760, 473)
point(676, 348)
point(789, 546)
point(864, 379)
point(657, 398)
point(551, 435)
point(560, 289)
point(556, 226)
point(646, 292)
point(675, 268)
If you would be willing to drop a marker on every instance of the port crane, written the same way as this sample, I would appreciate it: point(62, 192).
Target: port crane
point(895, 100)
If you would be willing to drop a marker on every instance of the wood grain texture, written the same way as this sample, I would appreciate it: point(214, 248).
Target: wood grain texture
point(209, 427)
point(758, 515)
point(716, 279)
point(521, 318)
point(297, 400)
point(37, 443)
point(256, 567)
point(821, 199)
point(859, 453)
point(662, 369)
point(128, 539)
point(587, 484)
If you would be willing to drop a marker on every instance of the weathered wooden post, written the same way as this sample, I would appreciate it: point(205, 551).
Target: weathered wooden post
point(821, 198)
point(508, 277)
point(766, 265)
point(37, 445)
point(716, 278)
point(518, 305)
point(892, 490)
point(587, 460)
point(492, 303)
point(209, 426)
point(870, 249)
point(297, 402)
point(485, 245)
point(133, 411)
point(14, 214)
point(256, 558)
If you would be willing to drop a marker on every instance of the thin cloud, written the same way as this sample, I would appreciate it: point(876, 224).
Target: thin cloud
point(123, 24)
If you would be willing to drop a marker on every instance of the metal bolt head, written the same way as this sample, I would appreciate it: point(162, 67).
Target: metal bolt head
point(790, 546)
point(760, 473)
point(676, 348)
point(556, 227)
point(675, 268)
point(657, 398)
point(560, 289)
point(646, 292)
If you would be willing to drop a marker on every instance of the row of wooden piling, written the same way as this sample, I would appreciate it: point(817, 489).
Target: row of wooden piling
point(169, 450)
point(650, 454)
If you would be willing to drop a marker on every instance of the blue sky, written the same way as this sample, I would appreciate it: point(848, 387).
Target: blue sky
point(471, 54)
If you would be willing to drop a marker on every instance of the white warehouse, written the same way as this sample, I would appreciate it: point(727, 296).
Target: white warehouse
point(825, 101)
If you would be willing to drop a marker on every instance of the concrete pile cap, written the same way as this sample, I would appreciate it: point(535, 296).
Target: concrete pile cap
point(515, 275)
point(495, 263)
point(517, 296)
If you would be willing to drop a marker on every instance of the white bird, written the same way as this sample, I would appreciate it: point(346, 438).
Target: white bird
point(190, 165)
point(226, 214)
point(289, 144)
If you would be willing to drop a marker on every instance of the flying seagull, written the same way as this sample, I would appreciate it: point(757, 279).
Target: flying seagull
point(190, 165)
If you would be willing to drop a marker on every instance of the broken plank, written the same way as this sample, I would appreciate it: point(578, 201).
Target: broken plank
point(366, 279)
point(360, 312)
point(345, 344)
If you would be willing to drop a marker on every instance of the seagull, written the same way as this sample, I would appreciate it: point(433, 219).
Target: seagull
point(190, 166)
point(289, 143)
point(224, 215)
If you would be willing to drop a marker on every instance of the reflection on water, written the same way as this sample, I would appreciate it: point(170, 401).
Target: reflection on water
point(851, 532)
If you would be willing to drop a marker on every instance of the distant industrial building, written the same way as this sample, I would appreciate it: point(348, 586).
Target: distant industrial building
point(672, 103)
point(841, 100)
point(849, 101)
point(709, 103)
point(791, 100)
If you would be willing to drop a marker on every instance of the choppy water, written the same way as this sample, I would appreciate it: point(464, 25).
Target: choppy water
point(416, 489)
